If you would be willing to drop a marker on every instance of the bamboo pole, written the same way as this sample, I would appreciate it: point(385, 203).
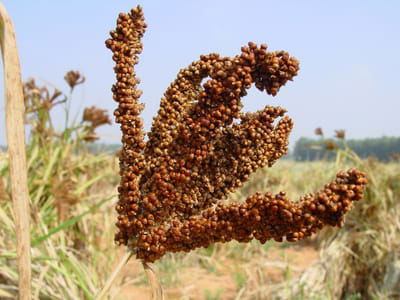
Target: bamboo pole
point(15, 111)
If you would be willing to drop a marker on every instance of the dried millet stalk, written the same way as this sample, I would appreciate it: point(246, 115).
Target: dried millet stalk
point(171, 185)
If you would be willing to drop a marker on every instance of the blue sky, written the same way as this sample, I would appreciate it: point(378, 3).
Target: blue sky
point(349, 53)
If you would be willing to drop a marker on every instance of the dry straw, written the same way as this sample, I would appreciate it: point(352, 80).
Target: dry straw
point(15, 111)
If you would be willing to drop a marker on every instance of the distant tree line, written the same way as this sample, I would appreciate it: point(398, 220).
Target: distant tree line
point(97, 148)
point(383, 148)
point(306, 149)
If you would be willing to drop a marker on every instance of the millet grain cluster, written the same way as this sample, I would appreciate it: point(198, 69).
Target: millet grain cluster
point(201, 148)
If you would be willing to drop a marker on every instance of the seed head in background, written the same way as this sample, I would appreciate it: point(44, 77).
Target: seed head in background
point(202, 147)
point(74, 78)
point(94, 117)
point(340, 134)
point(319, 132)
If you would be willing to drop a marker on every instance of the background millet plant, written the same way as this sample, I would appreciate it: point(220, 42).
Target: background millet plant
point(63, 184)
point(201, 147)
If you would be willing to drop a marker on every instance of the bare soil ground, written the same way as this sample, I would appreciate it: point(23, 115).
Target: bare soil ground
point(223, 279)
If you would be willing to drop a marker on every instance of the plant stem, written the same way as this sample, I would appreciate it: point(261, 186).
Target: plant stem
point(156, 288)
point(155, 284)
point(103, 293)
point(15, 112)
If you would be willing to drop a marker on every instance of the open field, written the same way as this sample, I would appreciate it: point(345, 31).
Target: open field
point(322, 223)
point(73, 250)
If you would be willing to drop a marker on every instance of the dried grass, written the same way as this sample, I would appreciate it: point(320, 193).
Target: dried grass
point(63, 272)
point(363, 258)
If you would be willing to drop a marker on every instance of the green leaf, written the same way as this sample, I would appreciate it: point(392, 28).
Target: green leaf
point(85, 185)
point(68, 223)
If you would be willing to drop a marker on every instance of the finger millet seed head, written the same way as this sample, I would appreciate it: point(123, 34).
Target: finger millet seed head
point(74, 78)
point(172, 185)
point(94, 117)
point(340, 134)
point(318, 131)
